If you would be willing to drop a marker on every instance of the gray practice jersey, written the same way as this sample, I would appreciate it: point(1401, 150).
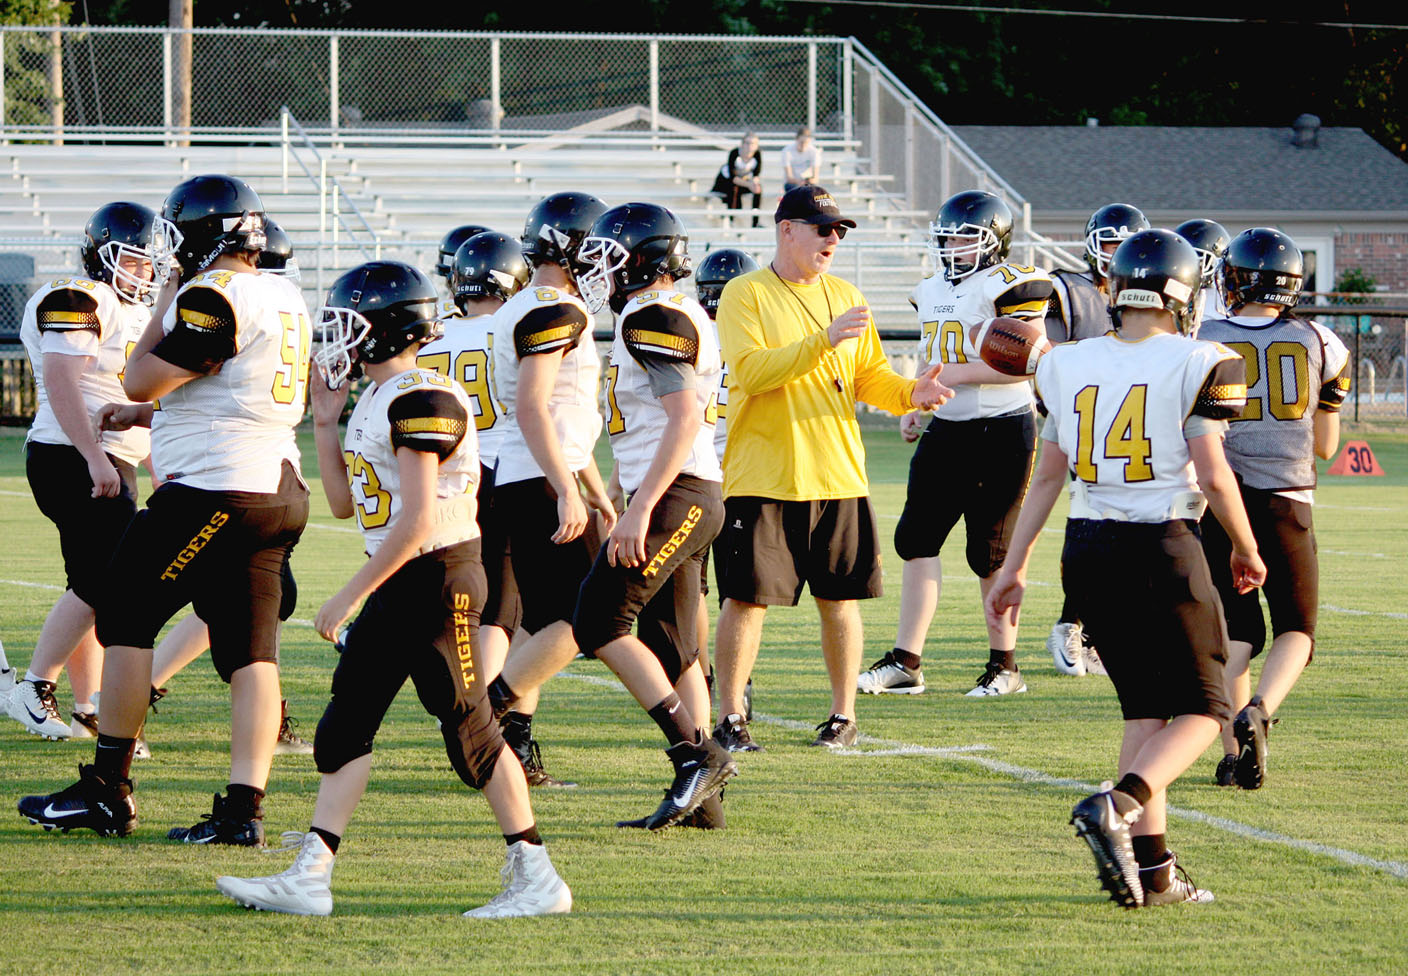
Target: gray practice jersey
point(1079, 309)
point(1294, 368)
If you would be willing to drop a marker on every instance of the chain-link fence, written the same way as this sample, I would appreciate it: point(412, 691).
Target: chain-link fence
point(86, 82)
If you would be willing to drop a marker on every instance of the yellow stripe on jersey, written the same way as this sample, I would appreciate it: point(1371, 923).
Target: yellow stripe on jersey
point(547, 335)
point(664, 340)
point(1228, 392)
point(55, 317)
point(200, 320)
point(1030, 308)
point(429, 425)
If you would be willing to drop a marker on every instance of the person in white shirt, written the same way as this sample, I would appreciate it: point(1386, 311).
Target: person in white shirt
point(801, 161)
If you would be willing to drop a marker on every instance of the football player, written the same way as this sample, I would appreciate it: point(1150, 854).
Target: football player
point(227, 354)
point(1080, 309)
point(1136, 416)
point(975, 458)
point(1210, 240)
point(277, 257)
point(546, 371)
point(406, 470)
point(77, 332)
point(1297, 374)
point(660, 389)
point(488, 270)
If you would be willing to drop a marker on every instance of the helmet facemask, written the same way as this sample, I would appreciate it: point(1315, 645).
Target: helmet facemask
point(1095, 243)
point(601, 257)
point(339, 332)
point(159, 252)
point(962, 260)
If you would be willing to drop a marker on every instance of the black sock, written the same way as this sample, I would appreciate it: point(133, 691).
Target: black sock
point(1068, 613)
point(112, 760)
point(1132, 785)
point(246, 801)
point(905, 658)
point(674, 719)
point(1155, 868)
point(501, 696)
point(329, 838)
point(530, 835)
point(1008, 659)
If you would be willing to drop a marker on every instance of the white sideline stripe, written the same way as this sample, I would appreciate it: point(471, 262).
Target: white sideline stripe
point(17, 494)
point(33, 586)
point(332, 528)
point(1356, 555)
point(972, 754)
point(1363, 613)
point(1357, 508)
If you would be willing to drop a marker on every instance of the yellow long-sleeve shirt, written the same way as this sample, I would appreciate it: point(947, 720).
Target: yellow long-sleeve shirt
point(792, 431)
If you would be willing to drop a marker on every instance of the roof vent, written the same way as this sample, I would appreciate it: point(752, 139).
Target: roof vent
point(1092, 123)
point(1307, 131)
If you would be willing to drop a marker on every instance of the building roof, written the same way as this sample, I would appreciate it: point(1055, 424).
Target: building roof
point(1192, 168)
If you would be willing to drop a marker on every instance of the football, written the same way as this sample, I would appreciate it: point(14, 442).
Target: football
point(1012, 346)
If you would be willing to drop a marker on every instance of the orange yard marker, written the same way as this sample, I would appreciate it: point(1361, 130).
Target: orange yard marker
point(1356, 459)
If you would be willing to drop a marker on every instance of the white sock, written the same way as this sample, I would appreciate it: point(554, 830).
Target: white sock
point(31, 676)
point(4, 661)
point(85, 708)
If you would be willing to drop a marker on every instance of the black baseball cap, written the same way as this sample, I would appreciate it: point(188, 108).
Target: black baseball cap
point(810, 205)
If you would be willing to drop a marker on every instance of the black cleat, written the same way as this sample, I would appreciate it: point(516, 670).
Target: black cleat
point(837, 732)
point(701, 770)
point(709, 816)
point(1250, 727)
point(518, 733)
point(1226, 774)
point(1102, 820)
point(222, 825)
point(91, 802)
point(732, 733)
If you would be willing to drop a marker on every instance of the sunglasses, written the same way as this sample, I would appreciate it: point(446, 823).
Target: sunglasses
point(826, 230)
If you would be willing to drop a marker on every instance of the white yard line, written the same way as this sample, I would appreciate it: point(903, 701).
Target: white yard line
point(975, 754)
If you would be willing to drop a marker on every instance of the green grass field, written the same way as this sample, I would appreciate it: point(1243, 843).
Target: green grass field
point(897, 858)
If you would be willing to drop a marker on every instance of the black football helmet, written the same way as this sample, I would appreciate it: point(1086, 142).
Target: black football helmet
point(214, 214)
point(1156, 269)
point(373, 312)
point(556, 226)
point(1261, 265)
point(1209, 239)
point(449, 244)
point(978, 214)
point(488, 265)
point(1112, 222)
point(118, 230)
point(716, 270)
point(628, 248)
point(277, 257)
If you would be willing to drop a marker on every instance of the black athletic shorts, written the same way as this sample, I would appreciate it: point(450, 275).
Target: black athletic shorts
point(89, 528)
point(421, 623)
point(221, 551)
point(1285, 538)
point(529, 512)
point(769, 549)
point(662, 597)
point(1144, 594)
point(974, 469)
point(502, 606)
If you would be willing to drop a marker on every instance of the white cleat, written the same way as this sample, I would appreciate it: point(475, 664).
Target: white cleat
point(9, 677)
point(531, 886)
point(32, 704)
point(1093, 664)
point(997, 680)
point(304, 889)
point(1066, 649)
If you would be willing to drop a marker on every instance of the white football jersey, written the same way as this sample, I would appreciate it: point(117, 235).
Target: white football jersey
point(80, 317)
point(232, 429)
point(466, 354)
point(540, 320)
point(424, 411)
point(1119, 408)
point(671, 327)
point(720, 404)
point(448, 310)
point(948, 309)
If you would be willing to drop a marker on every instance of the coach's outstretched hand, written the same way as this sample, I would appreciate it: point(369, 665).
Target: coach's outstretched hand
point(849, 324)
point(928, 391)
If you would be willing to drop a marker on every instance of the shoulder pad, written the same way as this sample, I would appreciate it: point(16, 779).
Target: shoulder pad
point(67, 310)
point(428, 420)
point(548, 328)
point(1029, 296)
point(1224, 392)
point(204, 308)
point(661, 331)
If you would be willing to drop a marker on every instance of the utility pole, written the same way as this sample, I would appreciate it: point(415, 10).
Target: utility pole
point(182, 16)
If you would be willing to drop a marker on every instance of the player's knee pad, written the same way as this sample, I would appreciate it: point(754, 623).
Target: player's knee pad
point(336, 744)
point(914, 540)
point(288, 601)
point(984, 556)
point(473, 742)
point(595, 627)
